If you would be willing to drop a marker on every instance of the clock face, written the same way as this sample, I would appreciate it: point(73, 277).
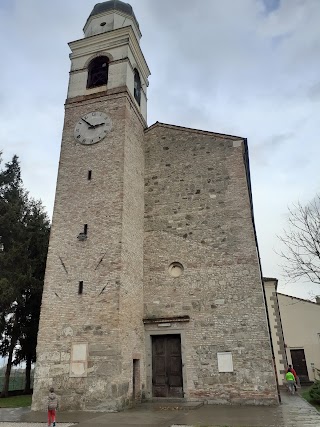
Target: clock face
point(92, 128)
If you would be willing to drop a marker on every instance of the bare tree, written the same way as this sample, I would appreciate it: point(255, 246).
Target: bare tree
point(301, 254)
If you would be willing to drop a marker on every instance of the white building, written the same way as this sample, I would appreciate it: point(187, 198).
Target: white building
point(295, 331)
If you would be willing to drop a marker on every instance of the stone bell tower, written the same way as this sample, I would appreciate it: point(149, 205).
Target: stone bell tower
point(91, 335)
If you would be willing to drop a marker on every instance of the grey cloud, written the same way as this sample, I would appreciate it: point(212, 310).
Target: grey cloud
point(314, 92)
point(271, 5)
point(277, 140)
point(264, 152)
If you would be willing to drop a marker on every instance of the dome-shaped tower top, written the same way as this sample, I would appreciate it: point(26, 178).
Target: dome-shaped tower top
point(106, 6)
point(111, 15)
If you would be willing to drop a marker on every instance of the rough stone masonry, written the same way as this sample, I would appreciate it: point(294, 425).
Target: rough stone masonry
point(153, 282)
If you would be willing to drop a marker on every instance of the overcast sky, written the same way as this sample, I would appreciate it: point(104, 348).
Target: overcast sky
point(242, 67)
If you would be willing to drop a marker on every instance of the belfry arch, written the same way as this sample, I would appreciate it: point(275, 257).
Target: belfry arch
point(98, 70)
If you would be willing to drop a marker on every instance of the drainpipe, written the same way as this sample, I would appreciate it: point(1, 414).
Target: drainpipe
point(247, 167)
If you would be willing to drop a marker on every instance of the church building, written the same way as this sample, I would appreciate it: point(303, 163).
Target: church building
point(153, 286)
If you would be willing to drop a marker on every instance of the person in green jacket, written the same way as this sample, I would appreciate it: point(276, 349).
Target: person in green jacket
point(290, 381)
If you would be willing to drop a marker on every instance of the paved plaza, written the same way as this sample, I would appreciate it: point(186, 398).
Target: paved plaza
point(293, 412)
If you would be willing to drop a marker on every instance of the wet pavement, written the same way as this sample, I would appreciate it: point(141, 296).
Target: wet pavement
point(12, 414)
point(293, 412)
point(18, 424)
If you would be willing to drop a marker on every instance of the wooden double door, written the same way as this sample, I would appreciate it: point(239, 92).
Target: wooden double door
point(166, 366)
point(299, 364)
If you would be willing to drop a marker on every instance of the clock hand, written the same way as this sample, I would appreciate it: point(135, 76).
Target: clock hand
point(98, 124)
point(87, 122)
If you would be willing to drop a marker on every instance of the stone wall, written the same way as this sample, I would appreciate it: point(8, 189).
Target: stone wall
point(131, 290)
point(197, 213)
point(108, 263)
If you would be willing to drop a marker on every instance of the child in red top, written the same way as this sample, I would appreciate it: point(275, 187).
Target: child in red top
point(292, 371)
point(52, 407)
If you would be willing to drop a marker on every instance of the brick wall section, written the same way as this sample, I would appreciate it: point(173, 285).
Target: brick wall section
point(110, 259)
point(131, 291)
point(197, 212)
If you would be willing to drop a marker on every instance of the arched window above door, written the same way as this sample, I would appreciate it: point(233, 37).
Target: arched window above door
point(98, 72)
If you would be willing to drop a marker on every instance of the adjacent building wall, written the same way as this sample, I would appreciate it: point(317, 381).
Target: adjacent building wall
point(295, 324)
point(301, 326)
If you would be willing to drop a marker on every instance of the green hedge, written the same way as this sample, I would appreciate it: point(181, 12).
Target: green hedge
point(314, 392)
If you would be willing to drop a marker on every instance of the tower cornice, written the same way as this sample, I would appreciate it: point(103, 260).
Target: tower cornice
point(119, 92)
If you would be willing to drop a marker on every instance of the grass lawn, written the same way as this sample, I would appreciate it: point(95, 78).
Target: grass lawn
point(306, 396)
point(15, 401)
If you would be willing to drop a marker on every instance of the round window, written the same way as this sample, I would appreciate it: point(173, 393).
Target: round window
point(176, 269)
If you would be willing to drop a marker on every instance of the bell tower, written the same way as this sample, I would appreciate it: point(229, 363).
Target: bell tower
point(91, 337)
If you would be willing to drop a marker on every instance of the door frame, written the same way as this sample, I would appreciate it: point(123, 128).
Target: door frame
point(170, 349)
point(148, 335)
point(304, 352)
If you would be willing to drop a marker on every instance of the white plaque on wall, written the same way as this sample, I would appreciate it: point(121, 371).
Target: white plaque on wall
point(79, 360)
point(225, 363)
point(79, 352)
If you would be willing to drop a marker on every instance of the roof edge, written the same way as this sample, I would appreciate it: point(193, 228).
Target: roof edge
point(300, 299)
point(183, 128)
